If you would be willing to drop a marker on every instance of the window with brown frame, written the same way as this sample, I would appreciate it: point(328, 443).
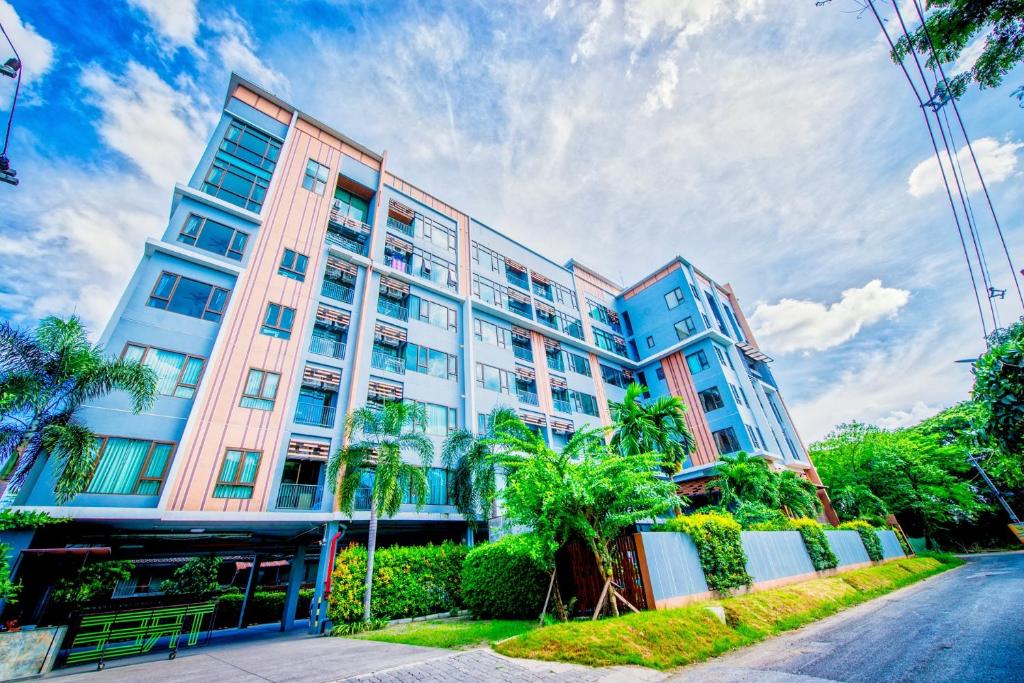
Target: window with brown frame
point(186, 296)
point(237, 475)
point(129, 466)
point(177, 373)
point(260, 390)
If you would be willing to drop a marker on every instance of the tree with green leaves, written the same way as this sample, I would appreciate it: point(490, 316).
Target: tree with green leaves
point(744, 478)
point(796, 494)
point(472, 460)
point(198, 576)
point(45, 377)
point(657, 426)
point(587, 491)
point(952, 25)
point(376, 440)
point(999, 389)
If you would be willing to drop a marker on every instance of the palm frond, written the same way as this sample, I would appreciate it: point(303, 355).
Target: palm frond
point(75, 448)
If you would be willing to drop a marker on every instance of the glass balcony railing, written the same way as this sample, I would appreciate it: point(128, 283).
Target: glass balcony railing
point(517, 279)
point(315, 414)
point(338, 291)
point(549, 322)
point(561, 405)
point(339, 216)
point(339, 240)
point(523, 353)
point(404, 228)
point(327, 346)
point(544, 292)
point(527, 397)
point(384, 361)
point(556, 363)
point(392, 309)
point(574, 329)
point(299, 496)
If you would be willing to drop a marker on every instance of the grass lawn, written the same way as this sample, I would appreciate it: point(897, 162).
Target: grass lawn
point(666, 639)
point(454, 634)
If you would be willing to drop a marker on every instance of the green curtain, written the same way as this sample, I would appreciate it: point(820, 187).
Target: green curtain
point(167, 366)
point(190, 376)
point(119, 466)
point(155, 470)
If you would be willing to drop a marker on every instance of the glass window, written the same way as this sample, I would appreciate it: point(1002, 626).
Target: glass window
point(237, 474)
point(214, 237)
point(241, 170)
point(674, 298)
point(351, 206)
point(278, 321)
point(726, 441)
point(685, 327)
point(129, 466)
point(433, 313)
point(659, 373)
point(492, 378)
point(430, 362)
point(721, 356)
point(441, 420)
point(578, 364)
point(260, 390)
point(650, 342)
point(711, 399)
point(491, 334)
point(188, 297)
point(177, 373)
point(697, 361)
point(293, 265)
point(315, 179)
point(738, 393)
point(584, 403)
point(753, 437)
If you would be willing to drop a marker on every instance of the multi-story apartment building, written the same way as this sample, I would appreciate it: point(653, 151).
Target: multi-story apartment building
point(299, 278)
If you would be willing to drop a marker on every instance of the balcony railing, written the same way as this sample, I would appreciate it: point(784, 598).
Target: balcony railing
point(550, 322)
point(523, 353)
point(383, 361)
point(561, 405)
point(315, 414)
point(404, 228)
point(327, 346)
point(527, 397)
point(556, 363)
point(392, 309)
point(340, 240)
point(339, 218)
point(401, 264)
point(299, 496)
point(338, 291)
point(517, 279)
point(542, 291)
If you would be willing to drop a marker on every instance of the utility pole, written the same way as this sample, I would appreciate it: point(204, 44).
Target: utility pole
point(999, 496)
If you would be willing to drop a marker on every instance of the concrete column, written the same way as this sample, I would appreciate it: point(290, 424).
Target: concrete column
point(291, 598)
point(470, 534)
point(318, 609)
point(250, 589)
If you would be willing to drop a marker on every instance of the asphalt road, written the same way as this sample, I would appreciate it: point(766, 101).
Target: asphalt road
point(964, 625)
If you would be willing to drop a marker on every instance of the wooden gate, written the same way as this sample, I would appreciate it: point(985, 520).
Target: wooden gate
point(578, 576)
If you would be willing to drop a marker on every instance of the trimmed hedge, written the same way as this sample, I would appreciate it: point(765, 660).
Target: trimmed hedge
point(867, 536)
point(264, 608)
point(816, 543)
point(504, 580)
point(719, 545)
point(408, 581)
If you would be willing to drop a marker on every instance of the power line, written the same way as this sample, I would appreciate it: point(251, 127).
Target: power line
point(7, 174)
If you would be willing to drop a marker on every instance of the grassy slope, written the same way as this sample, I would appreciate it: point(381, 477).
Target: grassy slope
point(457, 635)
point(670, 638)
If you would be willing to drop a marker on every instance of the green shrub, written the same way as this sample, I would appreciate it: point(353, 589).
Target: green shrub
point(867, 536)
point(816, 543)
point(408, 581)
point(754, 516)
point(717, 537)
point(94, 581)
point(504, 579)
point(265, 607)
point(198, 576)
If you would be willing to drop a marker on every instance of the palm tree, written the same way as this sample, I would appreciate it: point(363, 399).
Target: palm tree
point(472, 461)
point(384, 434)
point(45, 377)
point(742, 478)
point(797, 494)
point(658, 426)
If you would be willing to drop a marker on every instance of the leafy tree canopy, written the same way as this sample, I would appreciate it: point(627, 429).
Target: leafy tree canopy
point(999, 391)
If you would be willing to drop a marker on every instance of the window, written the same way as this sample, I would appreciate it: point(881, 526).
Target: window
point(241, 170)
point(697, 362)
point(584, 403)
point(260, 390)
point(315, 179)
point(189, 297)
point(659, 373)
point(685, 327)
point(490, 333)
point(278, 321)
point(483, 423)
point(349, 205)
point(614, 376)
point(650, 342)
point(293, 265)
point(555, 358)
point(642, 379)
point(711, 399)
point(726, 441)
point(481, 255)
point(214, 237)
point(129, 466)
point(237, 474)
point(494, 379)
point(250, 145)
point(609, 342)
point(431, 362)
point(628, 323)
point(721, 356)
point(740, 398)
point(433, 313)
point(753, 437)
point(696, 294)
point(578, 364)
point(441, 420)
point(674, 298)
point(177, 374)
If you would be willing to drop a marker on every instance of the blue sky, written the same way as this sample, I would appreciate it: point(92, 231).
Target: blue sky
point(769, 141)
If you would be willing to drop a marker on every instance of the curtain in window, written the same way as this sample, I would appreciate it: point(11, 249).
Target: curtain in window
point(437, 419)
point(437, 478)
point(119, 466)
point(240, 467)
point(154, 470)
point(167, 366)
point(190, 376)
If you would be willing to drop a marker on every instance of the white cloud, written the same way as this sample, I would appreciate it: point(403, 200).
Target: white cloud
point(148, 121)
point(662, 95)
point(795, 325)
point(968, 56)
point(998, 161)
point(176, 21)
point(236, 49)
point(443, 43)
point(588, 43)
point(37, 53)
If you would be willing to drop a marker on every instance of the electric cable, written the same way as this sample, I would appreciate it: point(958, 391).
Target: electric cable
point(17, 88)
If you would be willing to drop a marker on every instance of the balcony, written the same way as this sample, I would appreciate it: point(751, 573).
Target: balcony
point(338, 291)
point(543, 291)
point(556, 362)
point(549, 321)
point(574, 329)
point(527, 397)
point(523, 353)
point(299, 496)
point(383, 361)
point(399, 263)
point(340, 218)
point(392, 309)
point(561, 405)
point(327, 346)
point(518, 279)
point(339, 240)
point(404, 228)
point(314, 414)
